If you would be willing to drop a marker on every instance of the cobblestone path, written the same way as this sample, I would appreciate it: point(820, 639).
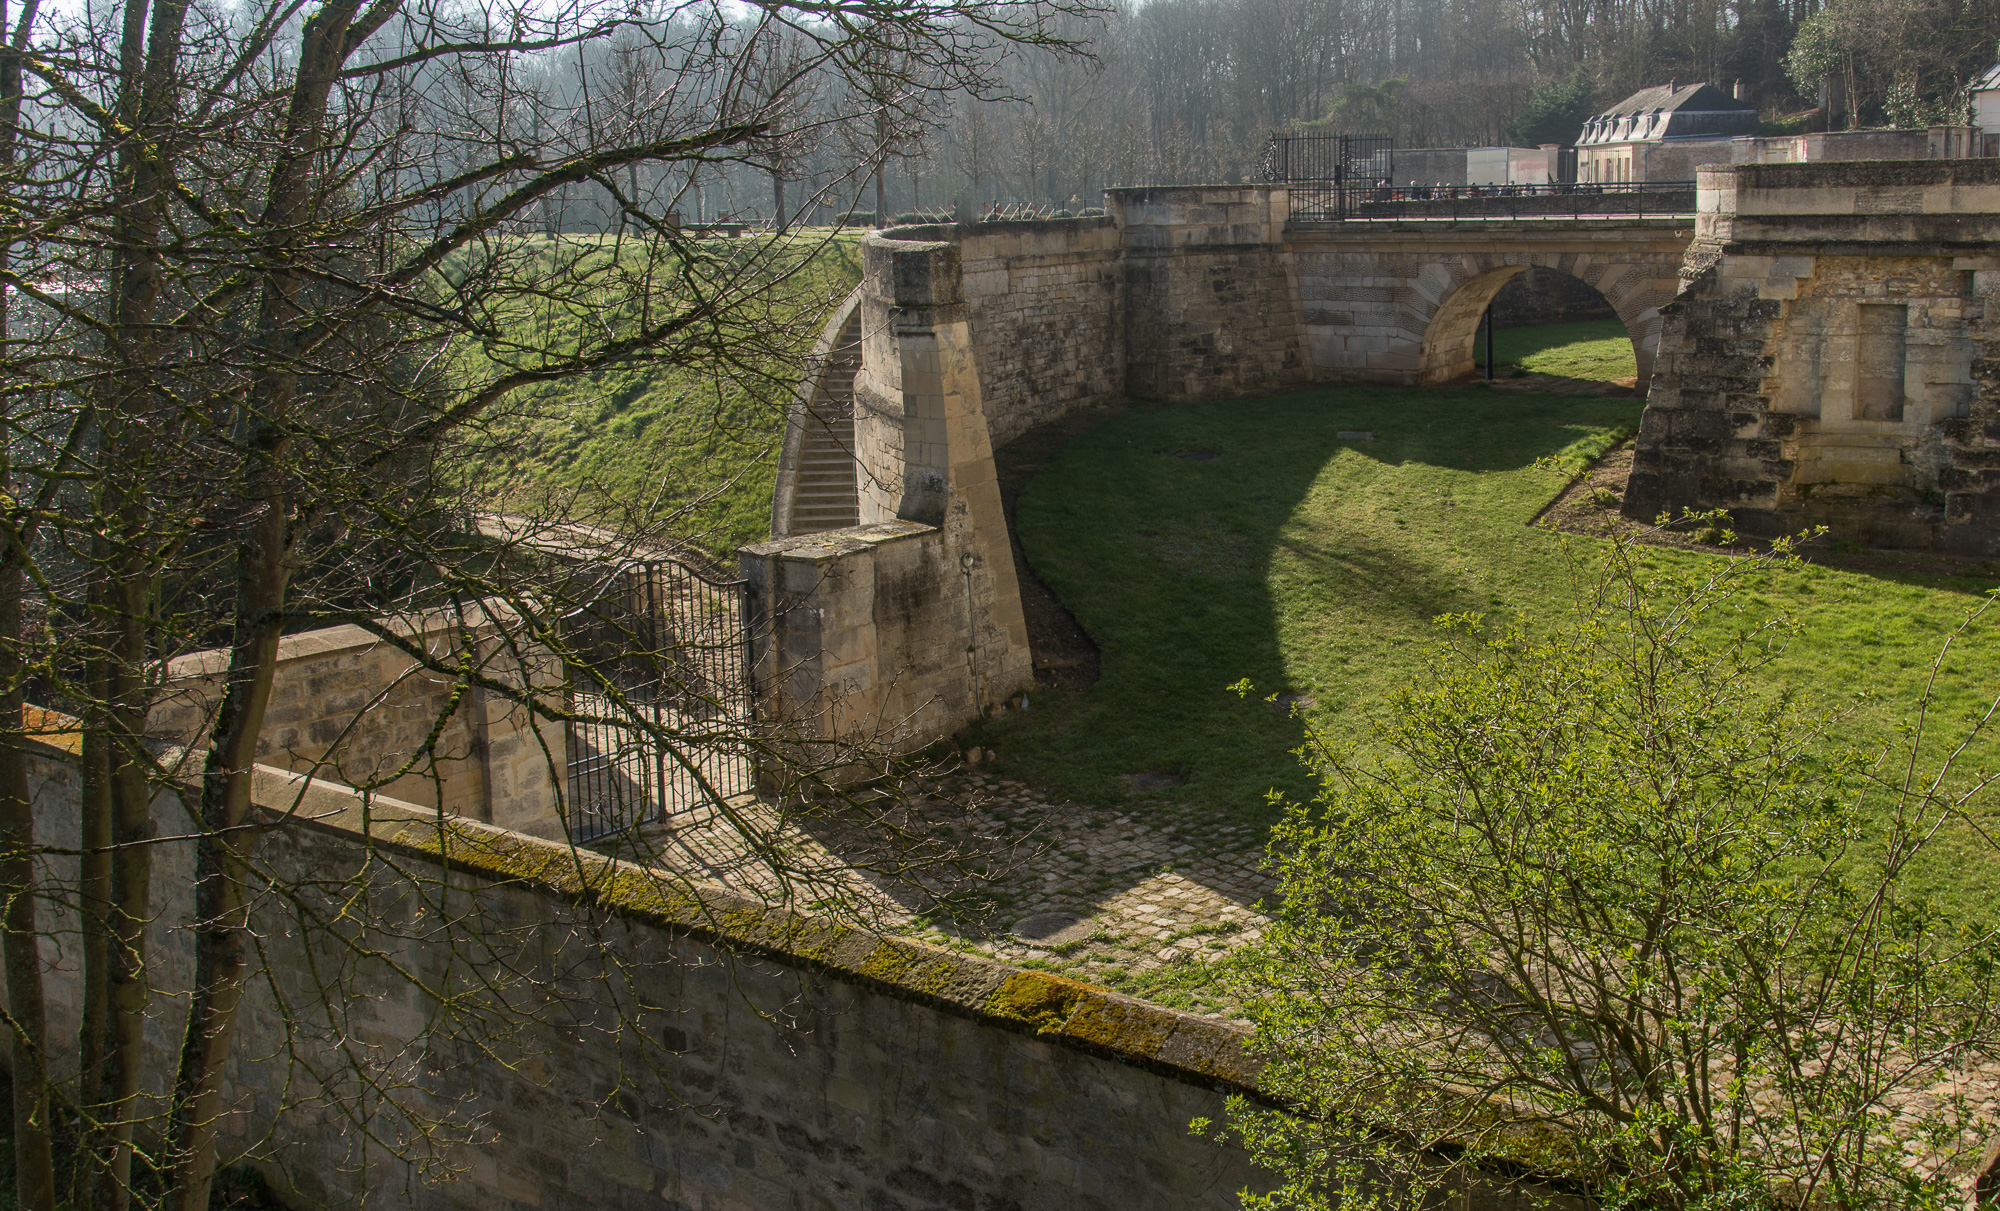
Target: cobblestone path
point(983, 864)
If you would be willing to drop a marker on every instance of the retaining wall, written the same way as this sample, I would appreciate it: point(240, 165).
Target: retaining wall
point(666, 1047)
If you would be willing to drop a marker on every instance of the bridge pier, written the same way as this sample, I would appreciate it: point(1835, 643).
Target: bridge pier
point(1829, 360)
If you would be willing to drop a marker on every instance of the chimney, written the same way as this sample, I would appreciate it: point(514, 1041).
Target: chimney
point(1673, 83)
point(1738, 94)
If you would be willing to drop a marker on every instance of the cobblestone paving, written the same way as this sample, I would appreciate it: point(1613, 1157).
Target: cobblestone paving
point(1105, 895)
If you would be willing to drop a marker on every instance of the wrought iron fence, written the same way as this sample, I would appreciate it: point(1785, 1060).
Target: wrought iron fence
point(1343, 201)
point(1332, 159)
point(662, 676)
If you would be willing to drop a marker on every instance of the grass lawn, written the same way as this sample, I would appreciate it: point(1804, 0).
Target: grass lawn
point(1598, 349)
point(1200, 544)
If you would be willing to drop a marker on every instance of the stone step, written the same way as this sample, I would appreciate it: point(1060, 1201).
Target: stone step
point(823, 480)
point(818, 521)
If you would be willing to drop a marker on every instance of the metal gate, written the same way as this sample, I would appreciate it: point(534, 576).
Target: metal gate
point(1323, 170)
point(661, 675)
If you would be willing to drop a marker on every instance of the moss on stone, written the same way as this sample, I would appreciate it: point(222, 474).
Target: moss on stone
point(1042, 1001)
point(1120, 1026)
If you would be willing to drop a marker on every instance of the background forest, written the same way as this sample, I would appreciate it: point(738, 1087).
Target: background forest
point(1185, 91)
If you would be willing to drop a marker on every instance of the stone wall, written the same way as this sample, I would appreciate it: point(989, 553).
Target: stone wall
point(1046, 315)
point(1212, 299)
point(352, 707)
point(1830, 360)
point(670, 1047)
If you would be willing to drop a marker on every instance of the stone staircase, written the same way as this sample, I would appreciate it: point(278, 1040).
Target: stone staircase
point(824, 495)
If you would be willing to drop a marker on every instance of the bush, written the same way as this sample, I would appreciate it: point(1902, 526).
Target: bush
point(858, 218)
point(1597, 906)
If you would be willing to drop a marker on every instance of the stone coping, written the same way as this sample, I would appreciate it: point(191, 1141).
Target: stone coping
point(952, 233)
point(1859, 173)
point(824, 546)
point(1239, 187)
point(1050, 1007)
point(1366, 228)
point(345, 637)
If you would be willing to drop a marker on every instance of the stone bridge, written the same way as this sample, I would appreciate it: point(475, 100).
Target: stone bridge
point(1822, 351)
point(1400, 302)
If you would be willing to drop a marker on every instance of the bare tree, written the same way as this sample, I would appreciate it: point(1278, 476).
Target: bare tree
point(268, 269)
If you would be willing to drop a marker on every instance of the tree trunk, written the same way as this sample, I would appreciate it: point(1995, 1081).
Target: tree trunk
point(263, 574)
point(149, 67)
point(20, 937)
point(94, 895)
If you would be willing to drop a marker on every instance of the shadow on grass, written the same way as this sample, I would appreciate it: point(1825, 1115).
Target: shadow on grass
point(1202, 544)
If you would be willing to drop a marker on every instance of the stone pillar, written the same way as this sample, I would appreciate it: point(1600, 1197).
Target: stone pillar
point(1212, 301)
point(523, 754)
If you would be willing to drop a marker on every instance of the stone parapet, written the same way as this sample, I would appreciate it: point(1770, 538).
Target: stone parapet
point(353, 706)
point(1187, 216)
point(1934, 205)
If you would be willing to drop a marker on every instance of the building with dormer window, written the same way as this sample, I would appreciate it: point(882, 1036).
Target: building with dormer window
point(1647, 136)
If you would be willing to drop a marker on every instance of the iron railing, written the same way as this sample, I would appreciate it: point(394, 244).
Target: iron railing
point(1345, 201)
point(661, 667)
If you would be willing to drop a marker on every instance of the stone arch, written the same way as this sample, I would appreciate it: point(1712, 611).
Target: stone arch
point(1468, 282)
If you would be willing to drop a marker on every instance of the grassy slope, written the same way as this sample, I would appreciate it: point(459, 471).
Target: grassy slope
point(649, 439)
point(1310, 563)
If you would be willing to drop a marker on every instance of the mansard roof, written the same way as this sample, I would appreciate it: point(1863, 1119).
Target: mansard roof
point(1668, 111)
point(1672, 98)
